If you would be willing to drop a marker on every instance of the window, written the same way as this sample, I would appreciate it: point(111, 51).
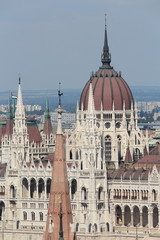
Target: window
point(33, 216)
point(108, 147)
point(24, 216)
point(41, 216)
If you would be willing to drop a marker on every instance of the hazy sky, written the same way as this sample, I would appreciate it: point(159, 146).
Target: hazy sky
point(47, 41)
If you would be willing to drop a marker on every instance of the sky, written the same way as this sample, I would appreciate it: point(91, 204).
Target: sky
point(52, 41)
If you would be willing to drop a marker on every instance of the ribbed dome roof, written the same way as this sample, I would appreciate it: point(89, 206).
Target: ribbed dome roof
point(108, 86)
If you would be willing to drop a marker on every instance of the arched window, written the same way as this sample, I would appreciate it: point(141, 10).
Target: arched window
point(136, 216)
point(70, 154)
point(17, 224)
point(73, 188)
point(2, 209)
point(25, 188)
point(12, 191)
point(155, 217)
point(154, 195)
point(144, 216)
point(33, 216)
point(77, 155)
point(108, 148)
point(84, 193)
point(24, 216)
point(41, 188)
point(107, 227)
point(41, 216)
point(33, 188)
point(100, 193)
point(95, 228)
point(118, 213)
point(48, 186)
point(90, 228)
point(127, 216)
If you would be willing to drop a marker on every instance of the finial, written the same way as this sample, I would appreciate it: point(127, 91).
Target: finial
point(106, 56)
point(19, 80)
point(59, 93)
point(105, 21)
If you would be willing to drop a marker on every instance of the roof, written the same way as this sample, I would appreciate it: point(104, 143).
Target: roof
point(47, 127)
point(126, 174)
point(33, 132)
point(108, 88)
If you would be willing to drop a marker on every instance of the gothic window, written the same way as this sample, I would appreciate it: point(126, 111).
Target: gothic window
point(136, 216)
point(155, 217)
point(100, 193)
point(81, 165)
point(154, 195)
point(33, 188)
point(144, 216)
point(25, 188)
point(73, 188)
point(2, 208)
point(90, 228)
point(84, 193)
point(41, 216)
point(127, 216)
point(118, 213)
point(95, 228)
point(108, 154)
point(70, 154)
point(107, 227)
point(33, 216)
point(24, 216)
point(48, 186)
point(12, 191)
point(41, 188)
point(17, 224)
point(76, 155)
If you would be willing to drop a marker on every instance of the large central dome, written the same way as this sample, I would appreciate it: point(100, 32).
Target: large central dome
point(108, 86)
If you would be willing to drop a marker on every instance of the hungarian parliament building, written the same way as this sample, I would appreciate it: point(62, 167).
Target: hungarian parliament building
point(113, 176)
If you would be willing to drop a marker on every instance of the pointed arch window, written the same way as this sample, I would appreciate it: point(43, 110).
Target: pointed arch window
point(108, 147)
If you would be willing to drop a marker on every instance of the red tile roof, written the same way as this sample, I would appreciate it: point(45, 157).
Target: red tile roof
point(47, 127)
point(34, 134)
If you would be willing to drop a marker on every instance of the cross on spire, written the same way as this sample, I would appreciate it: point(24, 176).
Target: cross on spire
point(60, 93)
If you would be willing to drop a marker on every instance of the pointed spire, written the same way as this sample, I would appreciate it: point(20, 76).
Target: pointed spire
point(91, 106)
point(47, 129)
point(19, 108)
point(59, 201)
point(47, 112)
point(106, 56)
point(128, 157)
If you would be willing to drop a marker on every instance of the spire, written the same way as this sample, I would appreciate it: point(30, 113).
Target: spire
point(59, 202)
point(47, 112)
point(59, 124)
point(47, 129)
point(91, 106)
point(106, 56)
point(19, 108)
point(128, 157)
